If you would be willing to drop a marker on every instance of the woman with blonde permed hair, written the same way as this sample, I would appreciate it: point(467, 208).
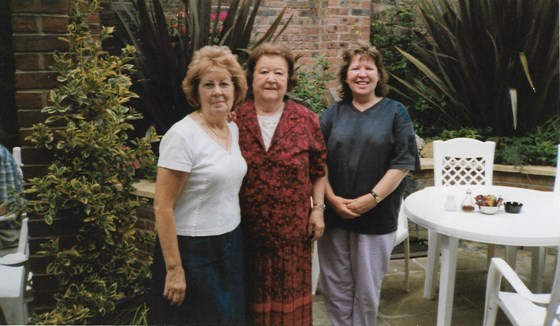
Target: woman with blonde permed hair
point(198, 271)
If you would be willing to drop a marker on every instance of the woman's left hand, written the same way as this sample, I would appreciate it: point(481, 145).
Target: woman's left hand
point(316, 225)
point(362, 204)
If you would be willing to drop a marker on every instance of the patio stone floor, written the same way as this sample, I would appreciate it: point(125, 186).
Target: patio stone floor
point(398, 308)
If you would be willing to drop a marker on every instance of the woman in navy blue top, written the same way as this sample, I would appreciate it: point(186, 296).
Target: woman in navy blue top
point(371, 146)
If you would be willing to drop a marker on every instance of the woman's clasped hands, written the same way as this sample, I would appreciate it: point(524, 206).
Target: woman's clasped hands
point(352, 208)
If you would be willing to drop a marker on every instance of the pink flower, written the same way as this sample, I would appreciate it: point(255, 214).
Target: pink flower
point(222, 16)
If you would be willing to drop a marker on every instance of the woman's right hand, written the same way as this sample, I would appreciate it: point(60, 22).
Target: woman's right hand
point(175, 286)
point(340, 205)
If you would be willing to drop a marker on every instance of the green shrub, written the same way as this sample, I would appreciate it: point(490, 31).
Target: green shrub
point(311, 89)
point(89, 182)
point(537, 148)
point(397, 27)
point(473, 133)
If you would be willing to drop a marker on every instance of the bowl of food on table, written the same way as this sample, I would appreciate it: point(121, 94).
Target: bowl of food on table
point(488, 204)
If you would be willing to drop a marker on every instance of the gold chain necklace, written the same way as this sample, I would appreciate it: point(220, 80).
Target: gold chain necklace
point(212, 129)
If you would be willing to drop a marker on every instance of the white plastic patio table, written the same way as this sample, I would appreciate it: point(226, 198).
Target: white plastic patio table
point(537, 225)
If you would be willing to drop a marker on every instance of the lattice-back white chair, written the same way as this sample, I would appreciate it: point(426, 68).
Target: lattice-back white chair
point(15, 281)
point(458, 161)
point(521, 306)
point(463, 161)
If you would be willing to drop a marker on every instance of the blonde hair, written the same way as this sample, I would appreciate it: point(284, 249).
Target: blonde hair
point(211, 57)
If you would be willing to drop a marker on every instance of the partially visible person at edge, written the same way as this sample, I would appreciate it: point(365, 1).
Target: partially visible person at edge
point(198, 270)
point(11, 182)
point(371, 147)
point(282, 143)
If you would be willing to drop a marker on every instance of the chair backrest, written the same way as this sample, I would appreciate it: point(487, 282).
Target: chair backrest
point(23, 247)
point(16, 153)
point(402, 226)
point(557, 177)
point(463, 161)
point(402, 221)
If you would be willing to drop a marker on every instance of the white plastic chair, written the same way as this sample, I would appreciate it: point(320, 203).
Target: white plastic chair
point(16, 153)
point(14, 284)
point(315, 269)
point(402, 237)
point(521, 306)
point(458, 161)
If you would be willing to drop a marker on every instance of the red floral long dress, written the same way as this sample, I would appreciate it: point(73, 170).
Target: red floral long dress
point(275, 207)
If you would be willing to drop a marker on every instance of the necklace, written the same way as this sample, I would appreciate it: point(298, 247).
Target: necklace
point(212, 130)
point(204, 123)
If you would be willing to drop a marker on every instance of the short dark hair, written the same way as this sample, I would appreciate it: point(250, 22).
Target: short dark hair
point(270, 48)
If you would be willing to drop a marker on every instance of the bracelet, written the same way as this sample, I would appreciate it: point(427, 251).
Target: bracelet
point(375, 197)
point(320, 206)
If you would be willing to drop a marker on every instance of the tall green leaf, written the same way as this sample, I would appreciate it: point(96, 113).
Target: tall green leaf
point(162, 62)
point(479, 50)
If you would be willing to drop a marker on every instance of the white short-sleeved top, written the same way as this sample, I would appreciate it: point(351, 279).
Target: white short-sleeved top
point(209, 203)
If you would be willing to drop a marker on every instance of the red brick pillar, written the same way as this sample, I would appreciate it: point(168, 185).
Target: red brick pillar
point(36, 25)
point(319, 27)
point(344, 23)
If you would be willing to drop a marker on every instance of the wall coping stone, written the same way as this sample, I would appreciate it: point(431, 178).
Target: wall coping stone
point(146, 188)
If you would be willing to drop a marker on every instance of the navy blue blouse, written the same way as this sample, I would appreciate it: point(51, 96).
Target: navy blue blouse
point(361, 147)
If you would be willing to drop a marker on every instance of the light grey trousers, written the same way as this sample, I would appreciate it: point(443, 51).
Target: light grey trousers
point(353, 266)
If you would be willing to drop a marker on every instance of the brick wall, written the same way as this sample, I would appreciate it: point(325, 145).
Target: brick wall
point(37, 25)
point(318, 27)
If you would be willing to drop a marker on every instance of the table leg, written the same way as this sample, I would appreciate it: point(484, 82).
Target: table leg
point(511, 259)
point(538, 256)
point(434, 244)
point(447, 279)
point(511, 256)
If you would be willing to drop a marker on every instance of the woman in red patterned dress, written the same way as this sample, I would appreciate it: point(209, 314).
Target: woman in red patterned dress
point(285, 153)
